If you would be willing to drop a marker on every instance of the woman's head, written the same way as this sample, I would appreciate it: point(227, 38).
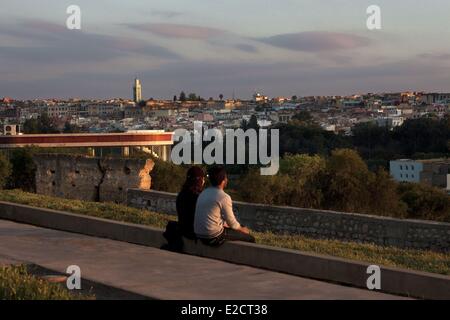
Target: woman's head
point(195, 180)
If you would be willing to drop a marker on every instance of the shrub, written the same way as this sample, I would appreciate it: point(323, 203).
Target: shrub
point(425, 202)
point(167, 176)
point(5, 170)
point(23, 170)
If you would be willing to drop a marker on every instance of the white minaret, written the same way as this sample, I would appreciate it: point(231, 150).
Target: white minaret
point(137, 91)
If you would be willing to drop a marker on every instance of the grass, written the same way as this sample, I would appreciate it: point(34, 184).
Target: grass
point(17, 284)
point(418, 260)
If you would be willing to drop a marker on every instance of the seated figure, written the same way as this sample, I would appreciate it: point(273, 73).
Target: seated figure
point(215, 221)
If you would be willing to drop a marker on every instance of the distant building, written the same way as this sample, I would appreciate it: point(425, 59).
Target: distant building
point(435, 172)
point(137, 91)
point(257, 97)
point(390, 122)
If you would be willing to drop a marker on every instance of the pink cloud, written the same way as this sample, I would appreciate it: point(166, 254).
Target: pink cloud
point(314, 41)
point(169, 30)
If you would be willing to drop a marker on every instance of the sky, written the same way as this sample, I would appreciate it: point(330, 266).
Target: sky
point(213, 47)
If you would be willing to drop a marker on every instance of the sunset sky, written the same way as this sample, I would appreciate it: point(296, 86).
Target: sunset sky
point(209, 47)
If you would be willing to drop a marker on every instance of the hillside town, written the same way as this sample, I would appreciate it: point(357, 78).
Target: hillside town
point(334, 113)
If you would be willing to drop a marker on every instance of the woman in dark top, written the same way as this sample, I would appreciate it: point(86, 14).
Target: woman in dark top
point(187, 199)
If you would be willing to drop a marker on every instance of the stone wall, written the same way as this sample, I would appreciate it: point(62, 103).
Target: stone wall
point(90, 179)
point(319, 223)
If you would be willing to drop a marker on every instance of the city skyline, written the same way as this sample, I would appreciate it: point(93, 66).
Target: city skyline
point(282, 49)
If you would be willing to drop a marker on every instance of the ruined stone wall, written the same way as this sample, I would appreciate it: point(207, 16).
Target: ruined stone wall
point(91, 179)
point(321, 224)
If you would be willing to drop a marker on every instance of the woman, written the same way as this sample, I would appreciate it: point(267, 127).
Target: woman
point(187, 200)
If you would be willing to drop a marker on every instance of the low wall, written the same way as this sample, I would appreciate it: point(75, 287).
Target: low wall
point(413, 234)
point(320, 267)
point(89, 178)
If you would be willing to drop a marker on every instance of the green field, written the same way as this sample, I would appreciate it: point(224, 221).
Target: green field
point(387, 256)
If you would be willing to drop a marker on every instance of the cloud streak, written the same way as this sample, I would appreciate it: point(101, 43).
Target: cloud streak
point(178, 31)
point(316, 41)
point(52, 43)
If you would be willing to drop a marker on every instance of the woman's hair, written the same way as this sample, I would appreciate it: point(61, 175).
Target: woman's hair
point(194, 180)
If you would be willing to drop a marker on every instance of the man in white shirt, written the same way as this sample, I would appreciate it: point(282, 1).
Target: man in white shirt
point(214, 220)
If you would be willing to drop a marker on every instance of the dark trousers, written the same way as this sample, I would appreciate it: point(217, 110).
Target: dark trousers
point(235, 235)
point(229, 235)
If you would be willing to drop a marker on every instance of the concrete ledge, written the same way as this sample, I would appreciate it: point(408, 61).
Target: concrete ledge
point(326, 268)
point(319, 224)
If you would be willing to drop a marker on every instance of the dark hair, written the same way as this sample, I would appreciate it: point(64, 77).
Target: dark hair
point(194, 180)
point(217, 175)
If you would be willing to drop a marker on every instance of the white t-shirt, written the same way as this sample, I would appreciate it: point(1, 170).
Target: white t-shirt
point(214, 207)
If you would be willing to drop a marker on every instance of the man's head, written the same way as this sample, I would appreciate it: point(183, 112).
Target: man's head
point(218, 177)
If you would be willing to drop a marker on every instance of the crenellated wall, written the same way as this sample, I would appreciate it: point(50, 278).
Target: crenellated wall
point(322, 224)
point(89, 178)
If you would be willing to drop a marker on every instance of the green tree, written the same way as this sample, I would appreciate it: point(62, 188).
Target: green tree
point(346, 182)
point(252, 123)
point(167, 176)
point(193, 97)
point(425, 202)
point(183, 96)
point(304, 118)
point(385, 199)
point(43, 124)
point(23, 170)
point(306, 173)
point(221, 97)
point(5, 170)
point(69, 128)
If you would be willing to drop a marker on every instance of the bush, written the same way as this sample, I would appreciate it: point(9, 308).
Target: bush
point(23, 174)
point(5, 170)
point(425, 202)
point(167, 176)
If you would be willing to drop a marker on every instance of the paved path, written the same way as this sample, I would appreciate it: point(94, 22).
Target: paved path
point(156, 273)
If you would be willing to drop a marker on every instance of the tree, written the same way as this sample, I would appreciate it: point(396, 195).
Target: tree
point(167, 176)
point(385, 199)
point(193, 97)
point(175, 98)
point(304, 118)
point(183, 96)
point(221, 97)
point(250, 124)
point(346, 182)
point(69, 128)
point(425, 202)
point(43, 124)
point(294, 98)
point(5, 170)
point(23, 170)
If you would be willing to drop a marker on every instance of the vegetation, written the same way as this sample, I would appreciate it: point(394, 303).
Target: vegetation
point(5, 170)
point(95, 209)
point(43, 124)
point(17, 284)
point(411, 259)
point(167, 176)
point(23, 173)
point(342, 182)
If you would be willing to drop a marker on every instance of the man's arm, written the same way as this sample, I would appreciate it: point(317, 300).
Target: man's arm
point(228, 214)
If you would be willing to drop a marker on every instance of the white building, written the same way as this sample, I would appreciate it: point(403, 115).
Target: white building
point(405, 170)
point(390, 122)
point(433, 172)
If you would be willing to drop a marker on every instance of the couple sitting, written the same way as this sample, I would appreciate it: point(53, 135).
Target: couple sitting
point(208, 214)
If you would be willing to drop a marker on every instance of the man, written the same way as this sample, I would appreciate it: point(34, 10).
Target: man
point(214, 221)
